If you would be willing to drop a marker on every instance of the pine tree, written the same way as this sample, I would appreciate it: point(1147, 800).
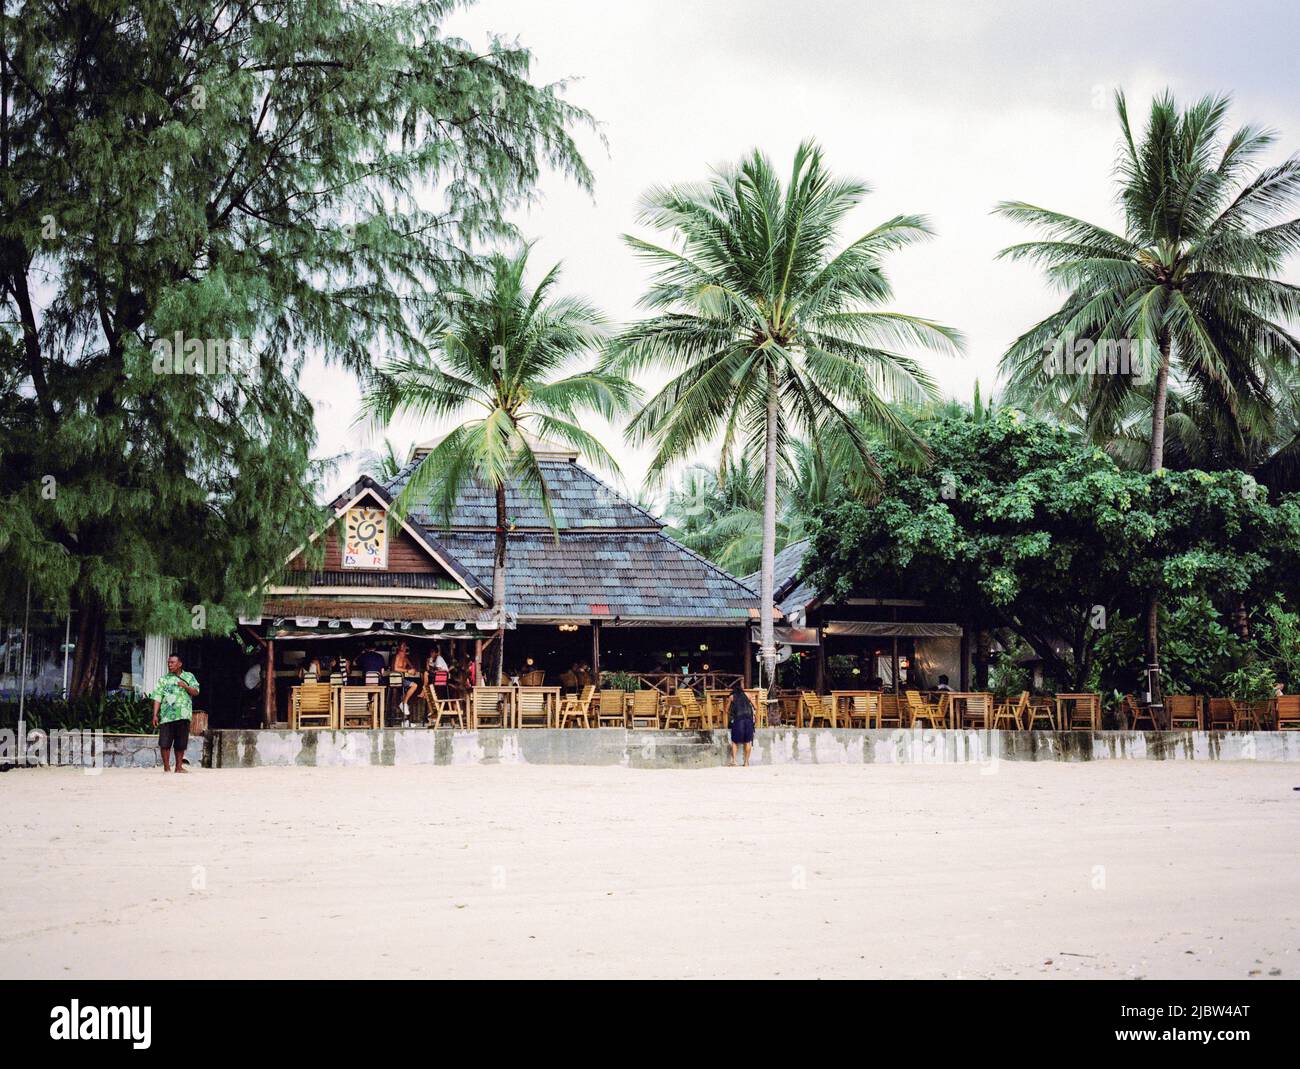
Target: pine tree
point(197, 197)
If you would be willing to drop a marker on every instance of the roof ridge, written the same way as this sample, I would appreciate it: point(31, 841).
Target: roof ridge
point(659, 524)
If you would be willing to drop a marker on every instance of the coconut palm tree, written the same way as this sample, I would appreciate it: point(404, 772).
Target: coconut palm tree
point(1188, 292)
point(499, 359)
point(769, 328)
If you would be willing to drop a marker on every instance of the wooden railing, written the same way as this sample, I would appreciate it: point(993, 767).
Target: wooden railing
point(670, 682)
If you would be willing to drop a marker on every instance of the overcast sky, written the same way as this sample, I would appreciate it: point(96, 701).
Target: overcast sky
point(944, 108)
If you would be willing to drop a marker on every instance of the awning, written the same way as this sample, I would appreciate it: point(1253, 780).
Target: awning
point(891, 629)
point(332, 618)
point(789, 636)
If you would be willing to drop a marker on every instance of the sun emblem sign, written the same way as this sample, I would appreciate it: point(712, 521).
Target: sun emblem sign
point(365, 538)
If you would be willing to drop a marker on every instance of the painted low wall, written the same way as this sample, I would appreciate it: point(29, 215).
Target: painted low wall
point(703, 749)
point(92, 749)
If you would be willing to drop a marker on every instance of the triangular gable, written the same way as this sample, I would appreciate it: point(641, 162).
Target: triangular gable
point(366, 492)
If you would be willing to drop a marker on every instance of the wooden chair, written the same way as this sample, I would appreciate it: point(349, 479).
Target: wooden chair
point(1039, 711)
point(1134, 714)
point(693, 713)
point(815, 709)
point(1286, 711)
point(864, 710)
point(919, 709)
point(486, 709)
point(577, 708)
point(1081, 713)
point(758, 699)
point(358, 708)
point(645, 710)
point(1012, 711)
point(978, 710)
point(446, 708)
point(611, 709)
point(311, 705)
point(1221, 715)
point(1183, 710)
point(891, 710)
point(532, 710)
point(534, 678)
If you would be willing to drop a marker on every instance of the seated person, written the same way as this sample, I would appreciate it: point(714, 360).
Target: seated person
point(371, 660)
point(311, 670)
point(943, 685)
point(403, 664)
point(437, 675)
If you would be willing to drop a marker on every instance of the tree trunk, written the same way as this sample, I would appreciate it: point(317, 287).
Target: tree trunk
point(767, 582)
point(499, 587)
point(983, 650)
point(1157, 464)
point(88, 660)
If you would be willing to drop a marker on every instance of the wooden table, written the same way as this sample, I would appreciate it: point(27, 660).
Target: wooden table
point(1067, 704)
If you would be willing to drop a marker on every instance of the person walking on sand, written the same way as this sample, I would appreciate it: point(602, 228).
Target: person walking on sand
point(741, 722)
point(173, 706)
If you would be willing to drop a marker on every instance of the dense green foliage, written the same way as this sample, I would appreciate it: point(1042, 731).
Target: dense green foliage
point(264, 181)
point(1034, 535)
point(116, 712)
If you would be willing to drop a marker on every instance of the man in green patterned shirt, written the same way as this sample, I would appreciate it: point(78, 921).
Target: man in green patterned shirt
point(172, 708)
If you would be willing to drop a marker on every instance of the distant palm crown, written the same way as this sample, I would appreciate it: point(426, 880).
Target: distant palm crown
point(1189, 283)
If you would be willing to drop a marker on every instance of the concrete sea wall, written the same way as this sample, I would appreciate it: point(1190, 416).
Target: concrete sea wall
point(702, 749)
point(92, 750)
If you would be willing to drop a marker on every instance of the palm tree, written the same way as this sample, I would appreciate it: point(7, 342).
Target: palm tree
point(499, 349)
point(1189, 286)
point(720, 514)
point(769, 328)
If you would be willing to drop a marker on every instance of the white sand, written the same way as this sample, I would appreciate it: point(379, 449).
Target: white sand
point(1112, 869)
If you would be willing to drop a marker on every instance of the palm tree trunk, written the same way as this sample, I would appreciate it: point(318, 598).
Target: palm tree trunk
point(767, 582)
point(1157, 464)
point(499, 586)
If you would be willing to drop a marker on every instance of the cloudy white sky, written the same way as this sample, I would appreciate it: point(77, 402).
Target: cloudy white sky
point(944, 107)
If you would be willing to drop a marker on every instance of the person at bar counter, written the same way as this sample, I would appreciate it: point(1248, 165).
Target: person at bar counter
point(173, 707)
point(741, 721)
point(403, 664)
point(436, 674)
point(371, 660)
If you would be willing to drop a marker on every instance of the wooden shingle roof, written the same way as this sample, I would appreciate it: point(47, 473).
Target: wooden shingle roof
point(611, 558)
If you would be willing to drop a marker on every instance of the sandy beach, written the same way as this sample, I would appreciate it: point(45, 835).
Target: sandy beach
point(1108, 870)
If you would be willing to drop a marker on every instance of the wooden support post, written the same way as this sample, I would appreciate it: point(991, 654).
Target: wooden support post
point(965, 658)
point(595, 652)
point(268, 686)
point(821, 661)
point(895, 665)
point(747, 657)
point(478, 662)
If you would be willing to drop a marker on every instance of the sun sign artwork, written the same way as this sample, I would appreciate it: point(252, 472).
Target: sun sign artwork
point(365, 538)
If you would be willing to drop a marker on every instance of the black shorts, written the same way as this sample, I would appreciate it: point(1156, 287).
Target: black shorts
point(742, 731)
point(174, 735)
